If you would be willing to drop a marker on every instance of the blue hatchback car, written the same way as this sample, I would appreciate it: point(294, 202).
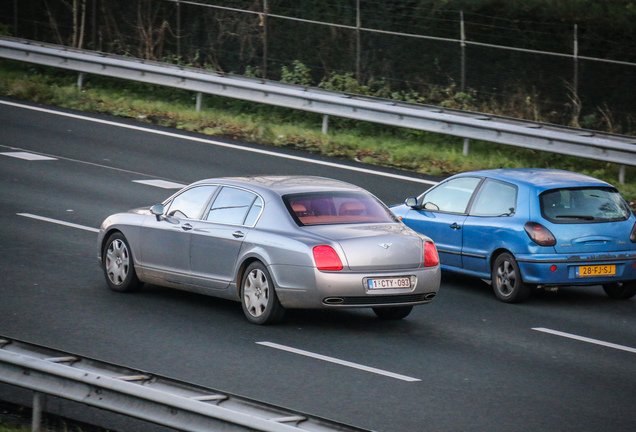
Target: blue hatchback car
point(529, 228)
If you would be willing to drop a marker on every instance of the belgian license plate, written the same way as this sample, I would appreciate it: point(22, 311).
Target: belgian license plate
point(596, 270)
point(389, 283)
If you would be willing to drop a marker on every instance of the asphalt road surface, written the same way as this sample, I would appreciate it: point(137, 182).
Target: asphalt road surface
point(563, 361)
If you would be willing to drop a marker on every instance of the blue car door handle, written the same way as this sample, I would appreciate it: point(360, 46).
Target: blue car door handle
point(238, 234)
point(455, 226)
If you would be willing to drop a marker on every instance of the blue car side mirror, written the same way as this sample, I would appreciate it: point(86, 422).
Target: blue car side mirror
point(411, 202)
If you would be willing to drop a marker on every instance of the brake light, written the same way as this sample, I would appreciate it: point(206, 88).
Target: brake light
point(632, 235)
point(326, 258)
point(539, 234)
point(430, 254)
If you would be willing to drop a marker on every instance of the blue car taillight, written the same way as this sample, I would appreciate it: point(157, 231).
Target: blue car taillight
point(540, 234)
point(632, 235)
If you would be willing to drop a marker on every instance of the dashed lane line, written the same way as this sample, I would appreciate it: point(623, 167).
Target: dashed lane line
point(160, 184)
point(59, 222)
point(585, 339)
point(28, 156)
point(338, 361)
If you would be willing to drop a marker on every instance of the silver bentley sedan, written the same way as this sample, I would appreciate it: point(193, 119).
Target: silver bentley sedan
point(274, 242)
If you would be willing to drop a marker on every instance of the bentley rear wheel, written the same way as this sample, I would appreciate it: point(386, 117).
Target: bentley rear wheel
point(393, 312)
point(258, 296)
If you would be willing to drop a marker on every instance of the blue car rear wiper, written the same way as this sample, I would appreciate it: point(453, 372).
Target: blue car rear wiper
point(583, 217)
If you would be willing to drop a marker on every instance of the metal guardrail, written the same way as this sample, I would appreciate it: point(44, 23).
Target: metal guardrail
point(144, 396)
point(613, 148)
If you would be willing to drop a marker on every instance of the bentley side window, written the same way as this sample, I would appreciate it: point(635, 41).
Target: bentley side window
point(232, 206)
point(190, 203)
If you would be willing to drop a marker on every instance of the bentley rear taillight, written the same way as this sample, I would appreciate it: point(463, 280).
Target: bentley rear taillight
point(539, 234)
point(327, 258)
point(430, 255)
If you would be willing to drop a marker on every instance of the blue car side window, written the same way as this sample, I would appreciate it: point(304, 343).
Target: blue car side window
point(495, 198)
point(452, 196)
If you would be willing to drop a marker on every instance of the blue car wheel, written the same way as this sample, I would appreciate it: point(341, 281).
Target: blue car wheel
point(506, 280)
point(620, 291)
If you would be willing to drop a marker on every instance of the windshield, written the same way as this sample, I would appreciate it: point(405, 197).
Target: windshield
point(326, 208)
point(582, 205)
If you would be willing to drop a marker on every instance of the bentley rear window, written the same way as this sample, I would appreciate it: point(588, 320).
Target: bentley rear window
point(582, 205)
point(327, 208)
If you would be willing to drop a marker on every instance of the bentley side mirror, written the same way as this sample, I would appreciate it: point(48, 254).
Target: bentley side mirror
point(157, 210)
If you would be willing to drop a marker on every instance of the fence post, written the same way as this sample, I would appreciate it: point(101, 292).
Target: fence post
point(358, 49)
point(466, 145)
point(94, 26)
point(575, 58)
point(462, 43)
point(199, 99)
point(178, 30)
point(264, 24)
point(15, 18)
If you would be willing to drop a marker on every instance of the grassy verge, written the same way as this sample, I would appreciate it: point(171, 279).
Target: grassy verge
point(416, 151)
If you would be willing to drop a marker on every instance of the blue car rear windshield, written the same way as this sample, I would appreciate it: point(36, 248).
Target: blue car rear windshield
point(581, 205)
point(328, 208)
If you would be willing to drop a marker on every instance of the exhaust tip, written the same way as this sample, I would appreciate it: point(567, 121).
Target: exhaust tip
point(333, 300)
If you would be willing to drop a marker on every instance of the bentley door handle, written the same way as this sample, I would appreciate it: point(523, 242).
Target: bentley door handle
point(238, 234)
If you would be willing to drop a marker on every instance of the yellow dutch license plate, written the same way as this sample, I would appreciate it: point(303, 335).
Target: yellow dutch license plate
point(596, 270)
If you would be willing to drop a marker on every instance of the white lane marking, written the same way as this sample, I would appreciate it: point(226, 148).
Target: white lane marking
point(222, 144)
point(161, 184)
point(338, 361)
point(586, 339)
point(27, 156)
point(59, 222)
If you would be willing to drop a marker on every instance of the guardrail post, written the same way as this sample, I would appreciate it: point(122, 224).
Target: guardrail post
point(621, 175)
point(325, 124)
point(199, 99)
point(80, 81)
point(36, 417)
point(466, 145)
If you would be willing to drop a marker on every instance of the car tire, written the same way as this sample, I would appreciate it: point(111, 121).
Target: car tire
point(620, 290)
point(118, 264)
point(258, 296)
point(393, 313)
point(506, 280)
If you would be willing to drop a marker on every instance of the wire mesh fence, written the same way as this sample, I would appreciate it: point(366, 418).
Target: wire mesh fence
point(556, 70)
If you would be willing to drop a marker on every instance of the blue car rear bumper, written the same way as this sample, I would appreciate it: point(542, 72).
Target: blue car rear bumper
point(578, 269)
